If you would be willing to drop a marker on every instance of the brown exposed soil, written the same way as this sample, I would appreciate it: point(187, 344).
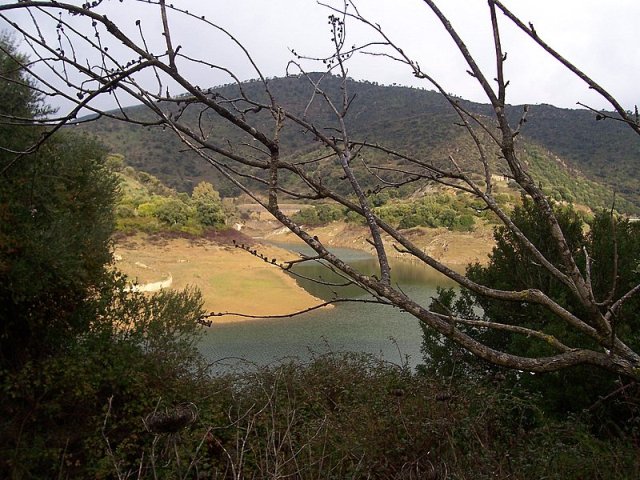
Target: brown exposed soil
point(456, 249)
point(230, 279)
point(233, 280)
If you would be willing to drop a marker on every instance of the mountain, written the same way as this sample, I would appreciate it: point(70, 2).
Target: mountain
point(606, 151)
point(571, 154)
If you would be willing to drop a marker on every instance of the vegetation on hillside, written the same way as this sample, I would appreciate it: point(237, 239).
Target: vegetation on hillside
point(602, 149)
point(417, 122)
point(445, 209)
point(146, 204)
point(570, 186)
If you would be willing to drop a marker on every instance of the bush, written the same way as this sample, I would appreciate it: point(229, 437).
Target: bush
point(173, 212)
point(61, 412)
point(338, 416)
point(318, 215)
point(438, 211)
point(208, 205)
point(463, 223)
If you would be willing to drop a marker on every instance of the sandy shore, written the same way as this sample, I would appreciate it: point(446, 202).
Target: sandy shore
point(454, 249)
point(231, 279)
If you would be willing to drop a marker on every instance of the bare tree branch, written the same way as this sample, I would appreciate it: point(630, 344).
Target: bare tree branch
point(261, 157)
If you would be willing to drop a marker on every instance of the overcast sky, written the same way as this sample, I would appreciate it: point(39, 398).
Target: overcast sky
point(600, 37)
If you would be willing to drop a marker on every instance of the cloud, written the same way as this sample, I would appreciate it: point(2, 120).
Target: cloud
point(598, 37)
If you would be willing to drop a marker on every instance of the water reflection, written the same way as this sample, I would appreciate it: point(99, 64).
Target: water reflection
point(404, 272)
point(381, 330)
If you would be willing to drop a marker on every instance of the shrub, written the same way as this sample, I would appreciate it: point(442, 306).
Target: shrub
point(318, 215)
point(173, 212)
point(72, 415)
point(208, 205)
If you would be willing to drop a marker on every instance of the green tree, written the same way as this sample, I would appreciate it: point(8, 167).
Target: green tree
point(209, 210)
point(55, 242)
point(512, 267)
point(21, 103)
point(55, 225)
point(173, 211)
point(72, 337)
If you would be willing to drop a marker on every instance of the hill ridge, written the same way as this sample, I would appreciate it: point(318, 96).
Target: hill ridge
point(417, 120)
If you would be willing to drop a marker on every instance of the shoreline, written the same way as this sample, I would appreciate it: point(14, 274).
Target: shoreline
point(234, 280)
point(230, 279)
point(456, 250)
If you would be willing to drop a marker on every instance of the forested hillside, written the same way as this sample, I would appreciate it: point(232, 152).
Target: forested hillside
point(574, 156)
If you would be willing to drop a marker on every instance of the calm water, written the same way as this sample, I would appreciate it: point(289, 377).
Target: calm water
point(380, 330)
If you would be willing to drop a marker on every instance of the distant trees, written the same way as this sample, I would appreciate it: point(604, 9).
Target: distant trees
point(208, 205)
point(172, 212)
point(439, 210)
point(319, 215)
point(147, 204)
point(116, 65)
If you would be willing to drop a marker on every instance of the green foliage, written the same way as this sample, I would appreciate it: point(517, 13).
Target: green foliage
point(208, 205)
point(172, 212)
point(55, 225)
point(354, 217)
point(17, 96)
point(614, 244)
point(379, 199)
point(56, 209)
point(605, 151)
point(115, 162)
point(65, 412)
point(72, 338)
point(511, 267)
point(565, 185)
point(147, 205)
point(319, 215)
point(339, 416)
point(443, 357)
point(434, 210)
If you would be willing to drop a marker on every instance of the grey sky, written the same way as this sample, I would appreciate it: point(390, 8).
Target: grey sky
point(599, 36)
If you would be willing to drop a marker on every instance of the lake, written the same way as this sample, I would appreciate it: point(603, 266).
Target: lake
point(347, 327)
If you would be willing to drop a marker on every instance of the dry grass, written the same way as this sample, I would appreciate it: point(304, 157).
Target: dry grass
point(231, 280)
